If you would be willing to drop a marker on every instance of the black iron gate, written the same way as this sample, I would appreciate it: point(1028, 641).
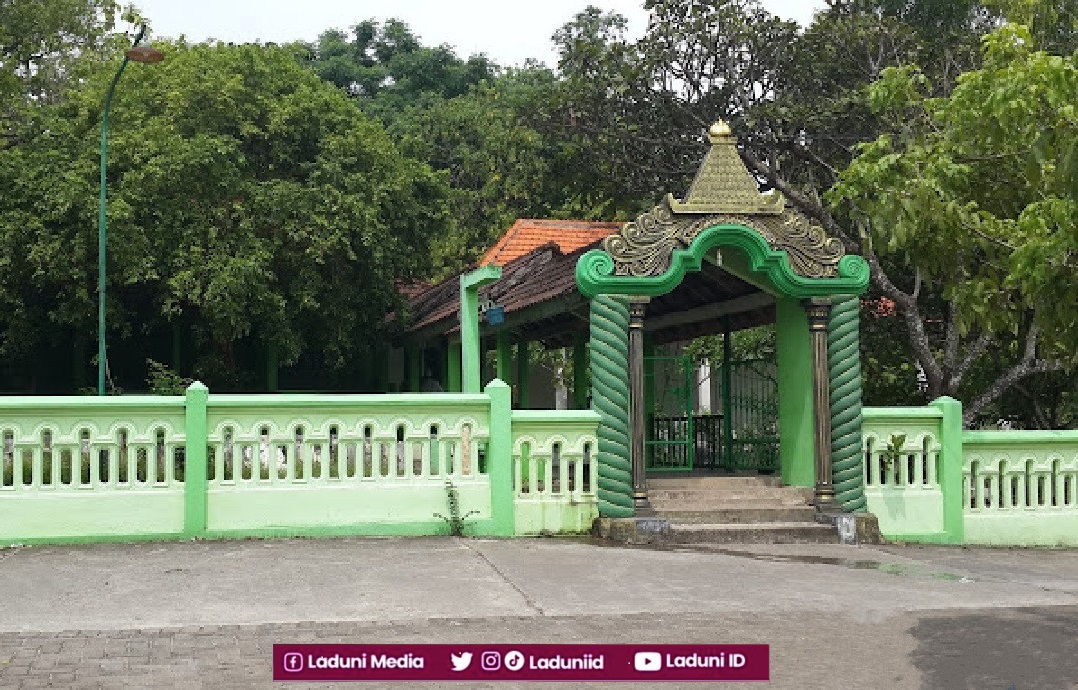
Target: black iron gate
point(741, 436)
point(669, 441)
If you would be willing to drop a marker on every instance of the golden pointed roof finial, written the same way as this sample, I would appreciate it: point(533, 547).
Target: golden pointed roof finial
point(723, 184)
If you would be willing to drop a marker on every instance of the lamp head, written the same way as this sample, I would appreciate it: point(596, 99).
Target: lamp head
point(145, 54)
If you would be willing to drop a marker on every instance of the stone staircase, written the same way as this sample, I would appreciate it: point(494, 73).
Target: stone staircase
point(737, 510)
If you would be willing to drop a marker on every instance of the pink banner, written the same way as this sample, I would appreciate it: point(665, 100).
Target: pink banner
point(521, 662)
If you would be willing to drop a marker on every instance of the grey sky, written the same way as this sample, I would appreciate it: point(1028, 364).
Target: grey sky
point(508, 32)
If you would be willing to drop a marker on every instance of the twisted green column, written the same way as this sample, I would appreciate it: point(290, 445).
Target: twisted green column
point(844, 365)
point(610, 398)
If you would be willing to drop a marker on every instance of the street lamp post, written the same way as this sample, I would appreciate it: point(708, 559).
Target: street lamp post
point(137, 53)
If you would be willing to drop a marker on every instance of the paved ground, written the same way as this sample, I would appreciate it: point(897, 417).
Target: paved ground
point(206, 614)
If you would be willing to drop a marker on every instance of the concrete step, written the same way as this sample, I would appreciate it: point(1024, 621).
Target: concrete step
point(692, 499)
point(753, 533)
point(752, 513)
point(665, 483)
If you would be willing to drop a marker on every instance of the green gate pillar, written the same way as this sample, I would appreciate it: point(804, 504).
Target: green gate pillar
point(610, 398)
point(844, 364)
point(196, 434)
point(453, 367)
point(471, 362)
point(523, 372)
point(504, 352)
point(950, 464)
point(580, 372)
point(500, 458)
point(637, 413)
point(818, 311)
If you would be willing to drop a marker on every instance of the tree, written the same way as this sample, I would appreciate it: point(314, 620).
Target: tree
point(466, 119)
point(251, 206)
point(800, 105)
point(979, 188)
point(386, 67)
point(499, 168)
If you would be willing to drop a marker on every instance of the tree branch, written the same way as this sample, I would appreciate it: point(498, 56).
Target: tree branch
point(975, 351)
point(805, 203)
point(906, 303)
point(1028, 366)
point(950, 341)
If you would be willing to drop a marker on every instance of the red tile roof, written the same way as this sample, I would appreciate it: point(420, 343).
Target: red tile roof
point(528, 234)
point(539, 276)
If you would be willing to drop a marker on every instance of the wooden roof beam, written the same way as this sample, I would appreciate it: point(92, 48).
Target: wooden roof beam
point(708, 312)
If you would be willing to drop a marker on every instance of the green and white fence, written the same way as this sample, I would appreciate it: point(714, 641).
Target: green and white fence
point(555, 471)
point(79, 467)
point(209, 466)
point(926, 480)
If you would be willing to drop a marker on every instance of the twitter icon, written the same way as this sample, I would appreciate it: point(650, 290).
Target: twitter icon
point(461, 661)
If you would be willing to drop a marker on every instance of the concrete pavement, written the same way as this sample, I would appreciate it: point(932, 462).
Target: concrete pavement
point(205, 614)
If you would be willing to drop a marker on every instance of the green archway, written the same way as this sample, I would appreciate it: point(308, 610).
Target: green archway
point(760, 241)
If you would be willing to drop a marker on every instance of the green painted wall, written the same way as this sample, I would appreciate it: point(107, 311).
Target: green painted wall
point(794, 355)
point(997, 488)
point(549, 441)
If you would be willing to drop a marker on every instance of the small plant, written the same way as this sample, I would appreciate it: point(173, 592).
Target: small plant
point(893, 450)
point(455, 519)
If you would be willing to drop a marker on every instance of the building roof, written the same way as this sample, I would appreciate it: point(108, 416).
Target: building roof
point(540, 299)
point(543, 274)
point(528, 234)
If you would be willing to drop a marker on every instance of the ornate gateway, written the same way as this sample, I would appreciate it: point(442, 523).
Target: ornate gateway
point(775, 249)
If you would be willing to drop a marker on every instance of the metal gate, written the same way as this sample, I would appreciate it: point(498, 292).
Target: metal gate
point(741, 436)
point(751, 416)
point(669, 443)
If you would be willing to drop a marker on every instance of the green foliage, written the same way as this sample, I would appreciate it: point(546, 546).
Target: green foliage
point(893, 451)
point(164, 381)
point(386, 66)
point(41, 42)
point(499, 169)
point(250, 204)
point(468, 119)
point(978, 188)
point(748, 344)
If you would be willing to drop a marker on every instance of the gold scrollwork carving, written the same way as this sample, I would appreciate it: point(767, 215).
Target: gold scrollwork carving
point(645, 246)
